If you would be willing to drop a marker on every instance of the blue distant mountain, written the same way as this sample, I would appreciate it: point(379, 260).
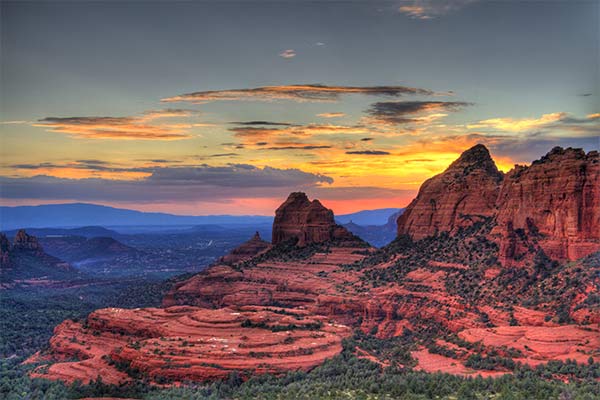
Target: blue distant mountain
point(93, 216)
point(368, 217)
point(83, 214)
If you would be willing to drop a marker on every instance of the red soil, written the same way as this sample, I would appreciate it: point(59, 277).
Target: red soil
point(540, 344)
point(429, 362)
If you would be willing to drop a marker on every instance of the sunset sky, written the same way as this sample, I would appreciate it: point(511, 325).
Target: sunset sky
point(225, 108)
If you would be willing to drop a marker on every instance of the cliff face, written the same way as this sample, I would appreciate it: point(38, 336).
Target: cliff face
point(554, 203)
point(468, 187)
point(557, 200)
point(308, 221)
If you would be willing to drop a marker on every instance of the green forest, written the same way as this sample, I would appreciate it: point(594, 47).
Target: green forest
point(29, 316)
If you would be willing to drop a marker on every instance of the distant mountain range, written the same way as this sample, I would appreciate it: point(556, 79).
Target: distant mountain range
point(84, 214)
point(368, 217)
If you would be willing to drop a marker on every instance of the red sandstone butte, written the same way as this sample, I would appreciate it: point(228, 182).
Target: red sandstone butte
point(246, 251)
point(308, 221)
point(469, 186)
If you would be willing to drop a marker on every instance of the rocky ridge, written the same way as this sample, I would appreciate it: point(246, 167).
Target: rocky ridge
point(468, 187)
point(451, 293)
point(178, 344)
point(25, 261)
point(554, 203)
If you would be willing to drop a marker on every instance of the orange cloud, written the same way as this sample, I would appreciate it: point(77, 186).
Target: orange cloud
point(120, 128)
point(332, 115)
point(295, 92)
point(519, 125)
point(254, 134)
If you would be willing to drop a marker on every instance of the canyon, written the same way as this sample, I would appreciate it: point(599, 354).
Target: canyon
point(478, 269)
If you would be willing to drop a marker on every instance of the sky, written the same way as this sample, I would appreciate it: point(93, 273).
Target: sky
point(225, 107)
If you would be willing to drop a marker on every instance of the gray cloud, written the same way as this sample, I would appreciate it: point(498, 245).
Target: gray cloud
point(369, 152)
point(92, 165)
point(223, 155)
point(403, 112)
point(299, 147)
point(166, 183)
point(267, 123)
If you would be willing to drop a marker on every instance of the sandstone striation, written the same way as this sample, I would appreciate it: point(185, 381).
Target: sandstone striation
point(307, 221)
point(188, 344)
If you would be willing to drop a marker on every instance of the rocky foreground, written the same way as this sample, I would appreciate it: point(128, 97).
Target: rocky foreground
point(467, 287)
point(179, 344)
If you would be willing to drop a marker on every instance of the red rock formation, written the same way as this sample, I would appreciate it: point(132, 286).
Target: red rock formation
point(468, 187)
point(308, 221)
point(189, 344)
point(246, 251)
point(454, 283)
point(25, 242)
point(555, 203)
point(26, 261)
point(557, 200)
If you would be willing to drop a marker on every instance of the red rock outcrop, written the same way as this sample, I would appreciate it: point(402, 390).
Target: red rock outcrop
point(26, 263)
point(188, 344)
point(246, 251)
point(469, 187)
point(453, 286)
point(553, 203)
point(557, 200)
point(25, 242)
point(308, 221)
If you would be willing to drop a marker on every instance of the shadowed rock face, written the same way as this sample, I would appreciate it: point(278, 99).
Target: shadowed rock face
point(308, 221)
point(4, 251)
point(557, 200)
point(23, 241)
point(554, 203)
point(26, 259)
point(468, 187)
